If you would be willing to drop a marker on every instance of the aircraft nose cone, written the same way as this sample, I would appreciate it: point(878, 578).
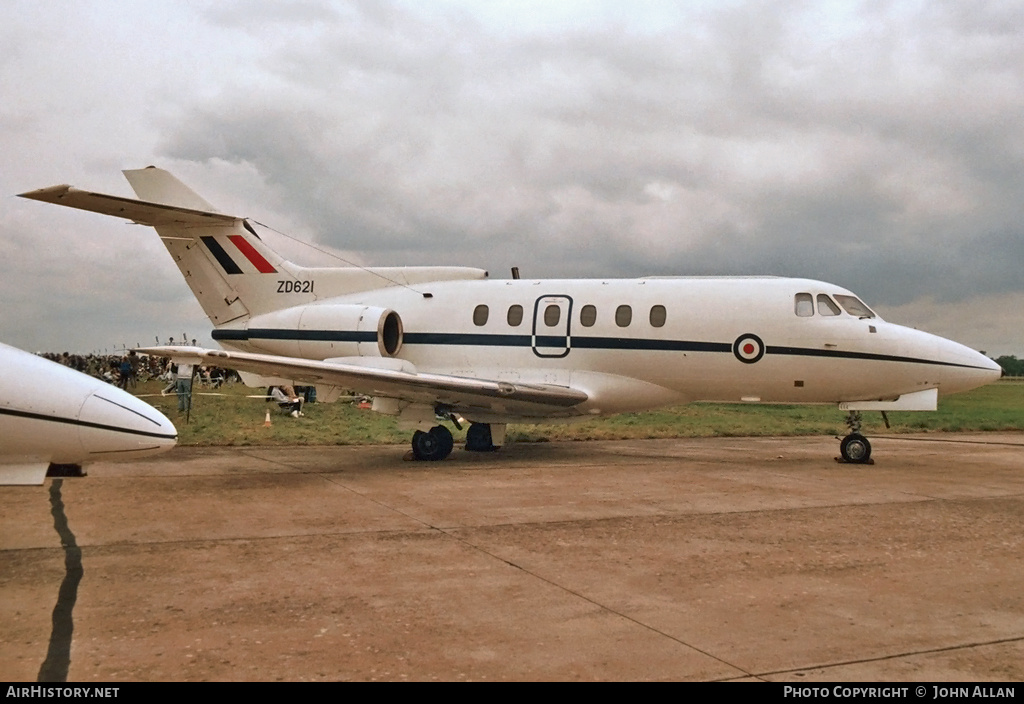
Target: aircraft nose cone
point(969, 369)
point(995, 372)
point(116, 425)
point(988, 369)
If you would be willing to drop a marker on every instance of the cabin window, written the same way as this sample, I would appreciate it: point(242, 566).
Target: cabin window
point(826, 306)
point(515, 315)
point(657, 316)
point(854, 306)
point(480, 315)
point(623, 316)
point(804, 305)
point(552, 314)
point(588, 316)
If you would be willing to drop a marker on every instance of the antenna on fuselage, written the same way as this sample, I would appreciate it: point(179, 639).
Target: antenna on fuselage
point(515, 273)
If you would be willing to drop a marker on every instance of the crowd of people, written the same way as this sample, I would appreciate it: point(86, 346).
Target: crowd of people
point(127, 369)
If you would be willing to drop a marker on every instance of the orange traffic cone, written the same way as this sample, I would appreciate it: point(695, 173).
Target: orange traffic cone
point(266, 423)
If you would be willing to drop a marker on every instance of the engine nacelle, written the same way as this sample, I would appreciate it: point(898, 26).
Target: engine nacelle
point(324, 331)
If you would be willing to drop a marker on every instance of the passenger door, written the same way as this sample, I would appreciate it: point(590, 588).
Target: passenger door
point(552, 318)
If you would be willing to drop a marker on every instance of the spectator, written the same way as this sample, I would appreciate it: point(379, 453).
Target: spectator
point(287, 399)
point(183, 386)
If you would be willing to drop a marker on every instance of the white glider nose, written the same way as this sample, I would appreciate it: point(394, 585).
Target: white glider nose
point(113, 424)
point(992, 372)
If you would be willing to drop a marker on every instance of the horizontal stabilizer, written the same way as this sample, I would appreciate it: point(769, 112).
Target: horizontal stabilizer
point(139, 211)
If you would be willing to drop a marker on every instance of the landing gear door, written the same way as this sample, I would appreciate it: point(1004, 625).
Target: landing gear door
point(552, 318)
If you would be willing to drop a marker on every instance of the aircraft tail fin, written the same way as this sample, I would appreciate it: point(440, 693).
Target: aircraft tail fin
point(229, 268)
point(232, 272)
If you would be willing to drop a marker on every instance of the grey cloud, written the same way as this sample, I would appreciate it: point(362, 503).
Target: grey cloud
point(879, 149)
point(48, 295)
point(884, 157)
point(273, 15)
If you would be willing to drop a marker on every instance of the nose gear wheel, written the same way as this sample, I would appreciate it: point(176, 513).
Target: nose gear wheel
point(855, 448)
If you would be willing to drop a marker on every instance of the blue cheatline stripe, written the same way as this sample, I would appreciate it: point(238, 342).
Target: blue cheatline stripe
point(591, 343)
point(870, 356)
point(84, 423)
point(230, 334)
point(625, 343)
point(218, 252)
point(466, 339)
point(296, 335)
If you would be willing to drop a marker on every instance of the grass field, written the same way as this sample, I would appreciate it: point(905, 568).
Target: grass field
point(232, 419)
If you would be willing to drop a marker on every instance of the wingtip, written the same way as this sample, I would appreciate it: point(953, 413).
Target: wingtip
point(49, 193)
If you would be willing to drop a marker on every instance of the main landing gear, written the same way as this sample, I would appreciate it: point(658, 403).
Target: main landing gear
point(478, 438)
point(437, 443)
point(855, 448)
point(433, 445)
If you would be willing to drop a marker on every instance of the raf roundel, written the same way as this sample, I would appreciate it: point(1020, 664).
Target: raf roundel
point(748, 348)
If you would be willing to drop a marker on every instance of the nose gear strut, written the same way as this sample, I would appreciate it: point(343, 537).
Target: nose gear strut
point(855, 448)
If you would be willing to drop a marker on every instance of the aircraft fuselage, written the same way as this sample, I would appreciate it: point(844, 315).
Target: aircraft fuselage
point(638, 343)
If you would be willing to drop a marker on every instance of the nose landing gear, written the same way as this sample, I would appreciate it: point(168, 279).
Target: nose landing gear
point(855, 448)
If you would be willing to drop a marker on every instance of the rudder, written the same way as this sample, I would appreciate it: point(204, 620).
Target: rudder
point(223, 263)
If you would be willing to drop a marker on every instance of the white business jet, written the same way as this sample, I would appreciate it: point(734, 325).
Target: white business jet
point(54, 418)
point(431, 343)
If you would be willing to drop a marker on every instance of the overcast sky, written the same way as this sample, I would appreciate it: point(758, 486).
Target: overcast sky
point(877, 145)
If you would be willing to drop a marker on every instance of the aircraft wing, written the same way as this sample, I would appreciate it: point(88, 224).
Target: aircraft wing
point(140, 211)
point(401, 382)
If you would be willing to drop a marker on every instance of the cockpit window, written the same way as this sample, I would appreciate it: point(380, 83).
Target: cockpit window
point(854, 306)
point(804, 305)
point(826, 306)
